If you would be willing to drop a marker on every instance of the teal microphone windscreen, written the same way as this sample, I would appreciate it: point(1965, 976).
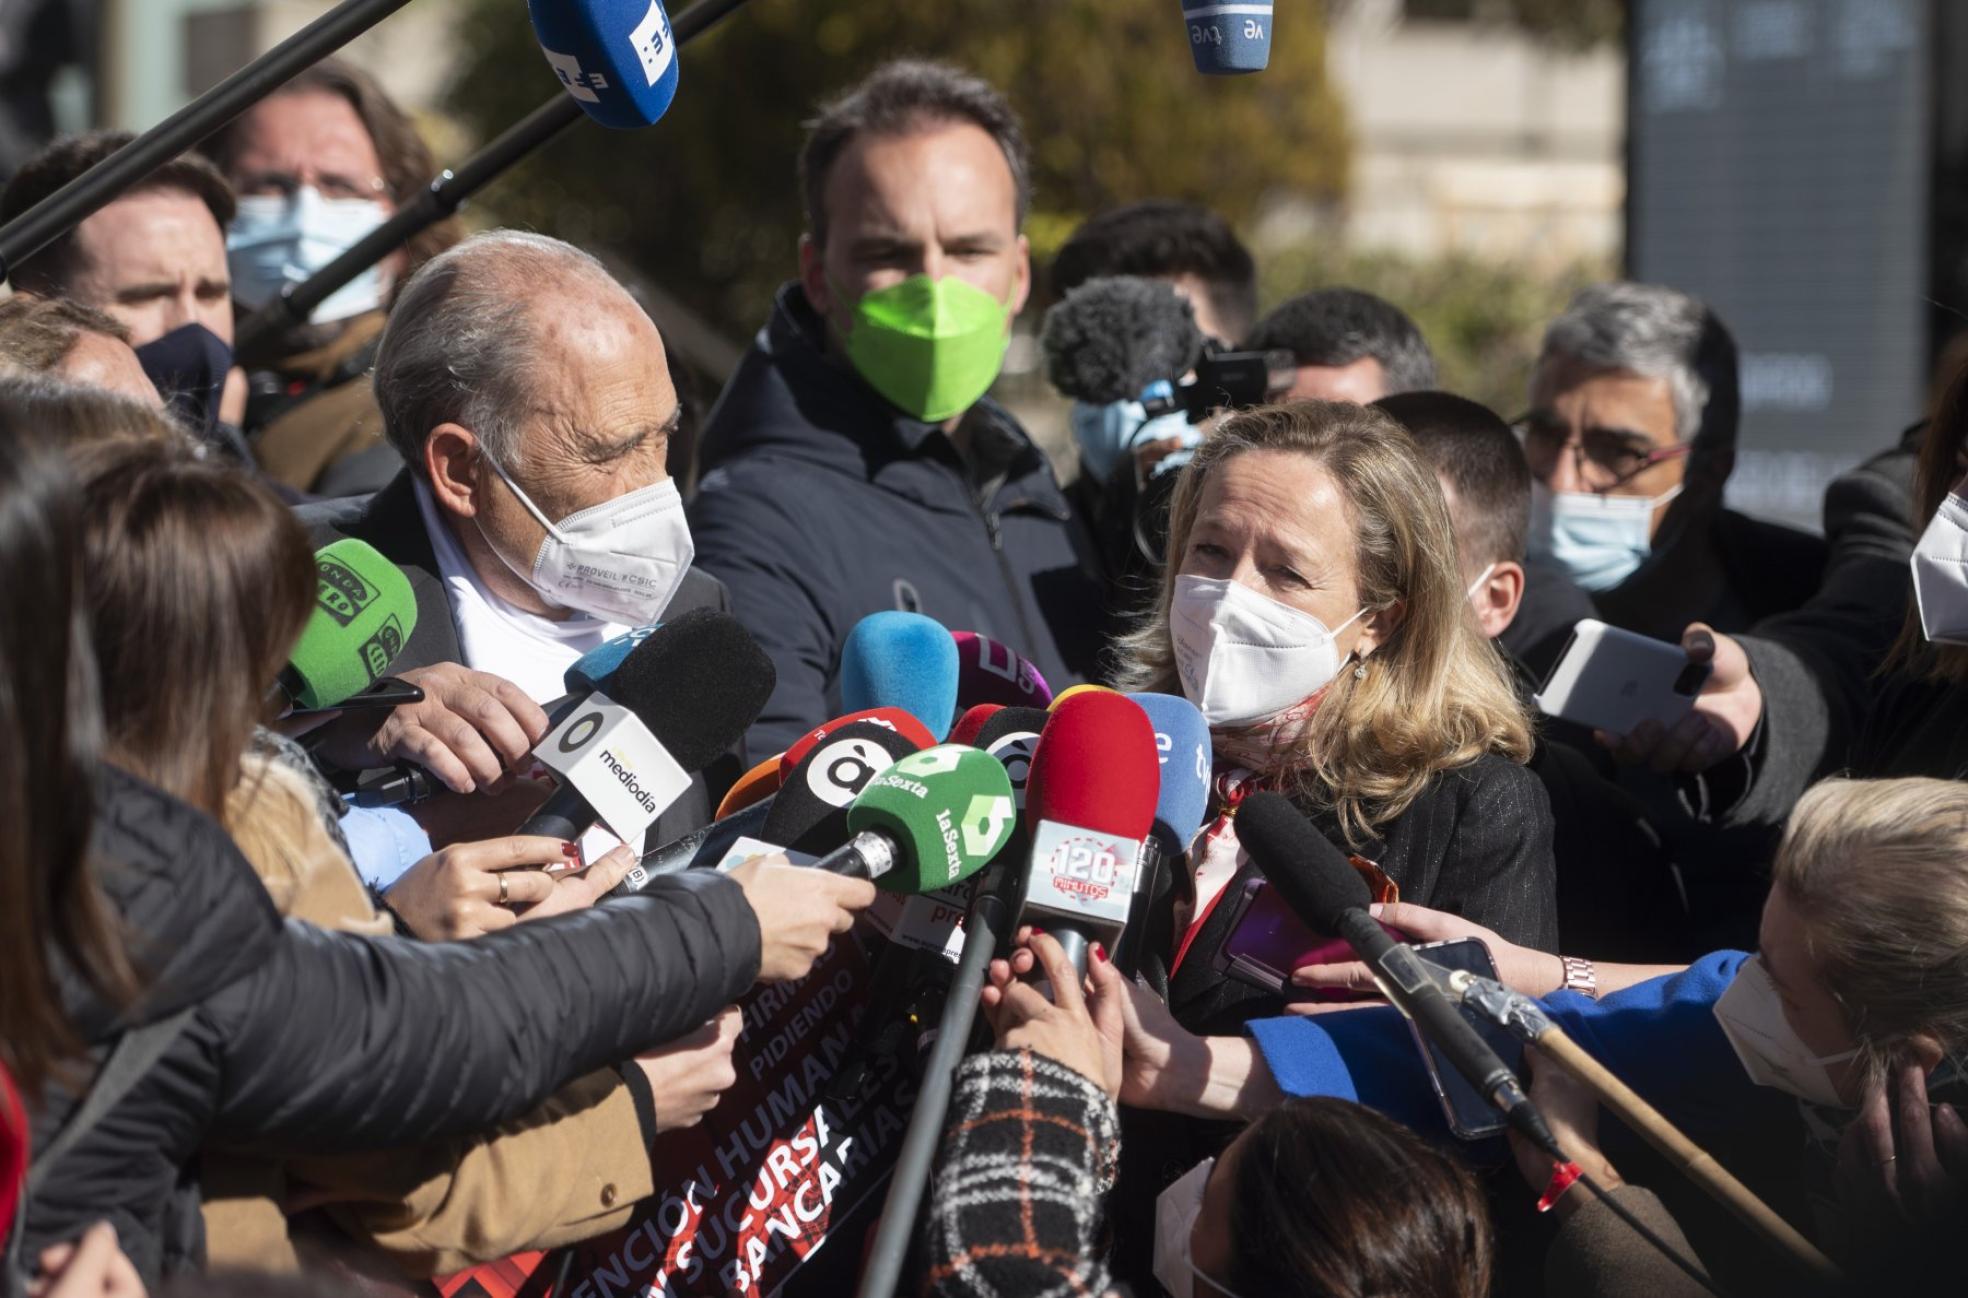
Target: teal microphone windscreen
point(901, 660)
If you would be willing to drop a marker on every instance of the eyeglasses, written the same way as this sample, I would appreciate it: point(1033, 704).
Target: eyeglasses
point(285, 184)
point(1604, 460)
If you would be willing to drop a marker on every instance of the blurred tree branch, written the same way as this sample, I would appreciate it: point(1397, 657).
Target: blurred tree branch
point(705, 203)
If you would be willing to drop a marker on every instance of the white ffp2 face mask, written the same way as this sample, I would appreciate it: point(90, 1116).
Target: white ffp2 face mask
point(1599, 540)
point(621, 560)
point(274, 242)
point(1940, 574)
point(1176, 1210)
point(1752, 1017)
point(1244, 657)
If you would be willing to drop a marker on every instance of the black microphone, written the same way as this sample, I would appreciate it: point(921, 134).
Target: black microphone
point(679, 700)
point(1111, 337)
point(1323, 889)
point(808, 813)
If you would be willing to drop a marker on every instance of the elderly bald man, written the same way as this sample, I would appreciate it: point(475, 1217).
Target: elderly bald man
point(531, 401)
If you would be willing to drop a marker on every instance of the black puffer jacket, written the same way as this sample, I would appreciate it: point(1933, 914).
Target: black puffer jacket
point(309, 1041)
point(822, 503)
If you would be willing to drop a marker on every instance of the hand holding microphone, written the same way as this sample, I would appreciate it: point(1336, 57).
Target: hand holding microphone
point(1328, 894)
point(800, 911)
point(1522, 969)
point(470, 728)
point(1080, 1028)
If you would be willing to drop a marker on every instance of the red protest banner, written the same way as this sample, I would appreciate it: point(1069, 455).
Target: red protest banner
point(751, 1192)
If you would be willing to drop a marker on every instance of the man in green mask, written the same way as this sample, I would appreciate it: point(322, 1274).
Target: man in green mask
point(855, 462)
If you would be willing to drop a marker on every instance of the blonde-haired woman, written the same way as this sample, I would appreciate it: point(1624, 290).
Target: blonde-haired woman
point(1312, 608)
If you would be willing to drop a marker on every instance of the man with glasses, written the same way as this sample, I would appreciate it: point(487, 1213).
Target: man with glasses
point(1630, 438)
point(317, 166)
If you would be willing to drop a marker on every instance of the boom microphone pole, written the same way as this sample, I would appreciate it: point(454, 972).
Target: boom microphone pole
point(987, 929)
point(1527, 1019)
point(68, 206)
point(449, 191)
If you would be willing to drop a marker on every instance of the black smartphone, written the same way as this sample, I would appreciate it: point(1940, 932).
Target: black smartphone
point(383, 692)
point(1471, 1116)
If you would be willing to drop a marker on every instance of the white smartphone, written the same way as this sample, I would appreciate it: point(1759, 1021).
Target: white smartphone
point(1612, 680)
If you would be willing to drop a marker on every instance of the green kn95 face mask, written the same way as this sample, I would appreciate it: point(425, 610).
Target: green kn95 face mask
point(931, 346)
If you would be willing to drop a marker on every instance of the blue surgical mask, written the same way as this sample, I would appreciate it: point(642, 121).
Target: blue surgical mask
point(275, 241)
point(1107, 434)
point(1599, 540)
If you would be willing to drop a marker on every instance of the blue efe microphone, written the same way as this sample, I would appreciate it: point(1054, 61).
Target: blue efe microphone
point(1226, 38)
point(1182, 741)
point(901, 660)
point(617, 58)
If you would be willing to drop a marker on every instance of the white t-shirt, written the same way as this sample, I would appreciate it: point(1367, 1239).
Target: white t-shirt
point(531, 651)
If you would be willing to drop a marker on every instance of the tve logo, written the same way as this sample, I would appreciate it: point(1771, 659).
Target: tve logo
point(581, 85)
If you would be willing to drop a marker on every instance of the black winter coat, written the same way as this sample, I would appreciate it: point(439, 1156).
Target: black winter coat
point(390, 521)
point(1476, 843)
point(307, 1041)
point(821, 503)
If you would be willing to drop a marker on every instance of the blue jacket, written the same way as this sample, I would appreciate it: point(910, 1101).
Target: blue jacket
point(820, 503)
point(1660, 1037)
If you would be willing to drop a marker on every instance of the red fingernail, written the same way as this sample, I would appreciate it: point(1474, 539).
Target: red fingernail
point(1037, 931)
point(1100, 953)
point(571, 850)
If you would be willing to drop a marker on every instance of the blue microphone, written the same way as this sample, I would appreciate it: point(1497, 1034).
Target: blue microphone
point(617, 58)
point(901, 660)
point(1182, 741)
point(1226, 39)
point(600, 662)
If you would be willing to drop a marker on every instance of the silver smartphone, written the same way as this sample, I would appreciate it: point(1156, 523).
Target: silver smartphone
point(1612, 680)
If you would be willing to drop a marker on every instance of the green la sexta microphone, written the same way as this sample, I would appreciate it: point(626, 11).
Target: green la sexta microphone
point(931, 820)
point(364, 612)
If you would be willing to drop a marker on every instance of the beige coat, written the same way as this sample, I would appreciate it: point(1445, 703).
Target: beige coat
point(570, 1170)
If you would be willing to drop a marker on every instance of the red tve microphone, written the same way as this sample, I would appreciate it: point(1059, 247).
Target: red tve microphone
point(1089, 802)
point(899, 720)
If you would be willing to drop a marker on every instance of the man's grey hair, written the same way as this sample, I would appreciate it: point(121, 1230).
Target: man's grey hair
point(459, 347)
point(1656, 332)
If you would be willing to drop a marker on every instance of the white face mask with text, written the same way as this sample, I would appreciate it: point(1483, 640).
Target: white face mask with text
point(620, 561)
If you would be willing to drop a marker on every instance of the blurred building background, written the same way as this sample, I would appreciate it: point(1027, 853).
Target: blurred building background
point(1794, 161)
